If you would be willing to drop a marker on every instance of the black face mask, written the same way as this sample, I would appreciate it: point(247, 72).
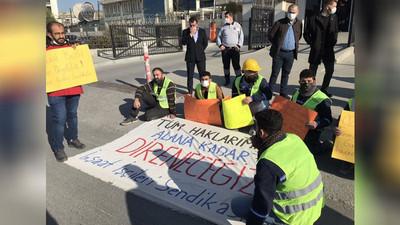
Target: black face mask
point(306, 87)
point(257, 141)
point(252, 78)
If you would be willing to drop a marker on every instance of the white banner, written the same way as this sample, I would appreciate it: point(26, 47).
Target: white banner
point(193, 167)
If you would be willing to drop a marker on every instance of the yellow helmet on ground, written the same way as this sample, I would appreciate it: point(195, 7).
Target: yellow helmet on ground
point(251, 64)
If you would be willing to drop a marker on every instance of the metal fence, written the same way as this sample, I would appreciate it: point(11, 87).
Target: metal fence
point(262, 18)
point(128, 40)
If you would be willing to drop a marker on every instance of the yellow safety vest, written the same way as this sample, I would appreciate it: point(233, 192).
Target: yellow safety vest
point(256, 86)
point(162, 97)
point(314, 100)
point(212, 91)
point(300, 198)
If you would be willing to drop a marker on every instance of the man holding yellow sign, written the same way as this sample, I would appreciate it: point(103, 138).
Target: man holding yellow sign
point(63, 103)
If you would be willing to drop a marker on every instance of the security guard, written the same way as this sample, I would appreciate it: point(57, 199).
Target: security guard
point(288, 184)
point(254, 86)
point(207, 89)
point(310, 97)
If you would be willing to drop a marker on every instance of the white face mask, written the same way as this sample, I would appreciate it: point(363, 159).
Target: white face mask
point(333, 10)
point(227, 20)
point(291, 16)
point(205, 83)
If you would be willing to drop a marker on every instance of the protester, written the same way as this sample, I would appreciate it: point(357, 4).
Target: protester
point(321, 34)
point(63, 103)
point(159, 95)
point(288, 184)
point(284, 36)
point(254, 86)
point(196, 40)
point(310, 97)
point(230, 39)
point(207, 89)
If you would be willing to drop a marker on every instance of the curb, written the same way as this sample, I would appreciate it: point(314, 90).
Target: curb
point(344, 54)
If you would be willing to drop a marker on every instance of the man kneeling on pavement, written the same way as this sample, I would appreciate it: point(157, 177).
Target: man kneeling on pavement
point(310, 97)
point(288, 184)
point(158, 94)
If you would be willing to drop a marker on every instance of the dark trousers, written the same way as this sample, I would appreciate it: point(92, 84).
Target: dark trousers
point(64, 112)
point(312, 141)
point(201, 67)
point(227, 55)
point(284, 61)
point(155, 111)
point(329, 68)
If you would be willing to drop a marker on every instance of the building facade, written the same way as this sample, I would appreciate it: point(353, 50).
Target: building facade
point(120, 10)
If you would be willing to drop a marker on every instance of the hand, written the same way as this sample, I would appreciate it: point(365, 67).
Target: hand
point(247, 100)
point(136, 104)
point(74, 45)
point(311, 125)
point(337, 131)
point(171, 116)
point(237, 48)
point(193, 31)
point(222, 48)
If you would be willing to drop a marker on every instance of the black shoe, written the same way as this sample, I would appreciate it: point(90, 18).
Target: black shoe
point(285, 96)
point(326, 92)
point(227, 82)
point(60, 155)
point(76, 144)
point(128, 121)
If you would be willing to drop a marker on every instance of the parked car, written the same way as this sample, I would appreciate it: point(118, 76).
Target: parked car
point(72, 38)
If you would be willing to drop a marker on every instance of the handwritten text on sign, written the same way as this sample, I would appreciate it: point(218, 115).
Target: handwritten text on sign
point(68, 67)
point(194, 167)
point(344, 144)
point(294, 116)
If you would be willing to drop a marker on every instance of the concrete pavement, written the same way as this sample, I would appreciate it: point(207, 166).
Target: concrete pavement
point(74, 197)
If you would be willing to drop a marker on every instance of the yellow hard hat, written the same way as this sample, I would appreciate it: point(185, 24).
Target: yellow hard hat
point(251, 64)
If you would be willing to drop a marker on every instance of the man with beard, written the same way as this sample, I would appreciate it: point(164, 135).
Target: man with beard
point(310, 97)
point(288, 185)
point(159, 95)
point(63, 103)
point(254, 86)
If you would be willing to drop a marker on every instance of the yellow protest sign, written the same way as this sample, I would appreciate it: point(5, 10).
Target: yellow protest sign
point(68, 67)
point(344, 144)
point(236, 114)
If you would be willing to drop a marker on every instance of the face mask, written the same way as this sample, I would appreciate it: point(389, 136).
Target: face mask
point(291, 16)
point(227, 20)
point(251, 78)
point(306, 87)
point(333, 10)
point(205, 83)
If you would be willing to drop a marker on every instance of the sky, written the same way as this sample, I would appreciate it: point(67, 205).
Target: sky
point(64, 5)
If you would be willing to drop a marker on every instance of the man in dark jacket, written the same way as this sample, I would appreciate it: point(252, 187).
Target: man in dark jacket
point(284, 36)
point(321, 33)
point(196, 40)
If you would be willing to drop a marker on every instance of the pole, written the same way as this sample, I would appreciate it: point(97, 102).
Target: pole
point(70, 13)
point(214, 11)
point(146, 62)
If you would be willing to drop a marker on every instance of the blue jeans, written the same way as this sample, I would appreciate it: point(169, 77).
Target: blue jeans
point(64, 110)
point(241, 207)
point(284, 61)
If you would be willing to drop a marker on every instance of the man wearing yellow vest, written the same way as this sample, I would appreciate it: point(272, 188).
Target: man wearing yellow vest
point(158, 94)
point(254, 86)
point(310, 97)
point(288, 184)
point(207, 89)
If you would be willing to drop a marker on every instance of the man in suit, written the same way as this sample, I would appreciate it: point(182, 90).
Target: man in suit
point(196, 41)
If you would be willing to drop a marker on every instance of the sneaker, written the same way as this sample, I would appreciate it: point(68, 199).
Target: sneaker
point(326, 92)
point(60, 155)
point(76, 144)
point(285, 96)
point(227, 82)
point(128, 121)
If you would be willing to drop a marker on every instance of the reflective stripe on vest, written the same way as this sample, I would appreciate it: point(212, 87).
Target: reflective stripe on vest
point(212, 91)
point(256, 86)
point(351, 104)
point(300, 198)
point(162, 97)
point(300, 193)
point(314, 100)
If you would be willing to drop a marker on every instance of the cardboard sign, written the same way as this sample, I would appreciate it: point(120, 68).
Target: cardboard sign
point(68, 67)
point(184, 165)
point(236, 114)
point(344, 144)
point(294, 116)
point(203, 111)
